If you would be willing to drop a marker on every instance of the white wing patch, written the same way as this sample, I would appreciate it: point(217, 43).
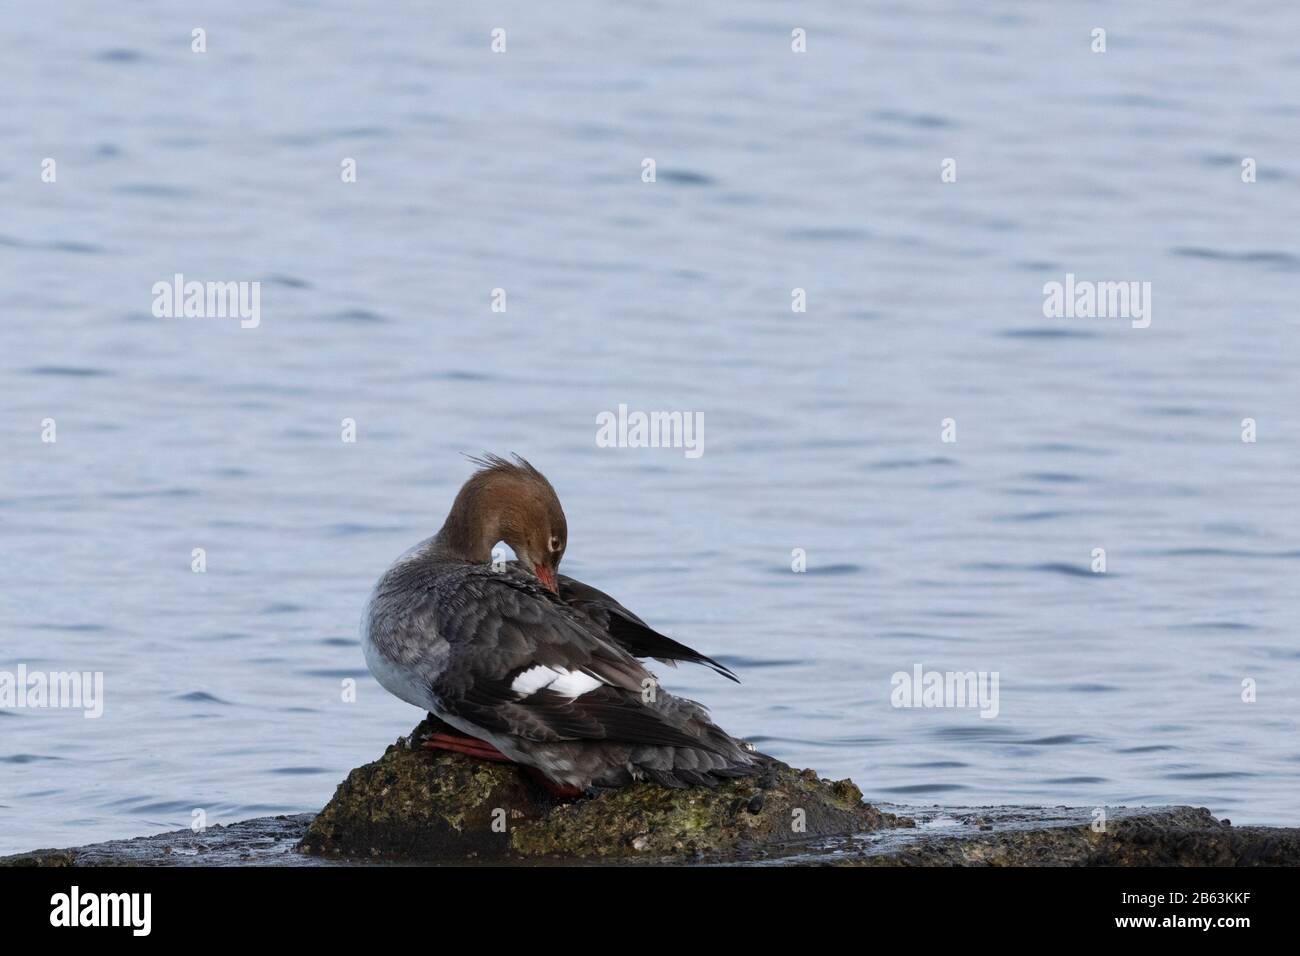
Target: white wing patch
point(540, 677)
point(575, 684)
point(533, 680)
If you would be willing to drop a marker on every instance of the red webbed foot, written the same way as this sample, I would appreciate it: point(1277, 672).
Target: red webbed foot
point(473, 747)
point(558, 790)
point(469, 746)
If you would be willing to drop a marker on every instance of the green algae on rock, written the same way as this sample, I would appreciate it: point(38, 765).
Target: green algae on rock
point(666, 830)
point(415, 804)
point(783, 808)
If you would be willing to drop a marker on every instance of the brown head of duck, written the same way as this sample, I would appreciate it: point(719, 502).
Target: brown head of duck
point(510, 501)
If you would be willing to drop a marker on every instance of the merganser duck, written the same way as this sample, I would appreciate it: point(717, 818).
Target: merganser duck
point(535, 667)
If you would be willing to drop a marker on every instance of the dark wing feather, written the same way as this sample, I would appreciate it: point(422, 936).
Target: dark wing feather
point(607, 713)
point(628, 630)
point(499, 624)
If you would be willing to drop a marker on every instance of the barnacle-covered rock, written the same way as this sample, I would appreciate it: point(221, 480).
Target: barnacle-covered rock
point(431, 805)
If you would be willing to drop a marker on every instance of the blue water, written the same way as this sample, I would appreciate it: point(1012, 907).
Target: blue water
point(775, 171)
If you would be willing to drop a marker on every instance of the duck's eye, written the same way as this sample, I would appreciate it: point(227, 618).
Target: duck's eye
point(555, 544)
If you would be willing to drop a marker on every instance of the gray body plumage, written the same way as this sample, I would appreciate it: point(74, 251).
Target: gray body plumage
point(551, 680)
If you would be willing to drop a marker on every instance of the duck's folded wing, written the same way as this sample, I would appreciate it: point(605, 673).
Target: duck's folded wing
point(628, 630)
point(522, 664)
point(602, 713)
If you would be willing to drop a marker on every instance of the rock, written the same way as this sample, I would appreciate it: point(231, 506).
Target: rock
point(419, 805)
point(260, 841)
point(414, 804)
point(41, 858)
point(944, 836)
point(1161, 836)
